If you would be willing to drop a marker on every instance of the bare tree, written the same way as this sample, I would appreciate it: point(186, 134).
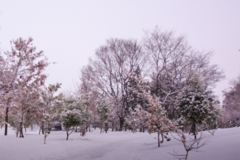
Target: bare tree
point(109, 73)
point(188, 143)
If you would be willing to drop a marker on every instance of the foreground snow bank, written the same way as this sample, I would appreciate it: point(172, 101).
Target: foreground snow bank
point(224, 145)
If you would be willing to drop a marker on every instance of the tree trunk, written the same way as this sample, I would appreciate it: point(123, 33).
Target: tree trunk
point(186, 156)
point(193, 129)
point(101, 127)
point(6, 121)
point(158, 139)
point(106, 127)
point(112, 126)
point(94, 123)
point(42, 127)
point(83, 131)
point(121, 121)
point(67, 134)
point(89, 126)
point(17, 131)
point(86, 127)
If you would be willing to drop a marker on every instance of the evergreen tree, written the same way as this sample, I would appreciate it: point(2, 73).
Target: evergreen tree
point(195, 104)
point(75, 113)
point(70, 118)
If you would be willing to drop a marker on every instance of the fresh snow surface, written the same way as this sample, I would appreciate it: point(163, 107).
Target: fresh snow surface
point(224, 145)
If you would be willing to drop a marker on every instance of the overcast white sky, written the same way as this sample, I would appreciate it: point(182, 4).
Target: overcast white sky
point(69, 31)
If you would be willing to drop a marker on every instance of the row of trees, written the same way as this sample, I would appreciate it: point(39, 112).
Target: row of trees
point(123, 71)
point(157, 83)
point(24, 99)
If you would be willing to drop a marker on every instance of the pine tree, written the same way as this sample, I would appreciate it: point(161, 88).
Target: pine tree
point(75, 113)
point(194, 104)
point(70, 118)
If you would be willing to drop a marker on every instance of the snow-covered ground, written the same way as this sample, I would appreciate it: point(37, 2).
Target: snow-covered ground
point(224, 145)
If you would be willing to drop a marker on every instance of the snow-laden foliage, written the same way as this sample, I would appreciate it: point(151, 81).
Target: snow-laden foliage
point(172, 59)
point(195, 104)
point(70, 118)
point(157, 121)
point(150, 113)
point(136, 119)
point(75, 113)
point(156, 117)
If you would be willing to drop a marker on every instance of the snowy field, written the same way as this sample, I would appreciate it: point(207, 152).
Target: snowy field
point(224, 145)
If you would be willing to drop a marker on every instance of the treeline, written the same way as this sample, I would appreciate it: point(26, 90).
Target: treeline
point(161, 64)
point(154, 84)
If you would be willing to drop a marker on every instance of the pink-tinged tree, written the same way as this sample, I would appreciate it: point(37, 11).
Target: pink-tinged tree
point(152, 112)
point(136, 119)
point(157, 121)
point(21, 67)
point(154, 117)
